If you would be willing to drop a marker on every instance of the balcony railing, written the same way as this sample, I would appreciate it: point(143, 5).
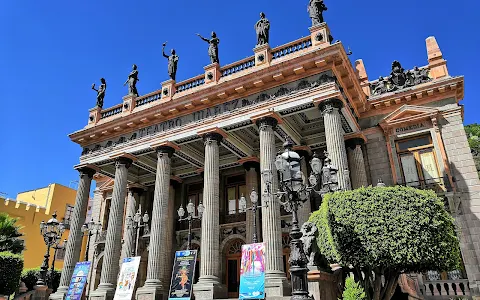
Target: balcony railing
point(238, 67)
point(148, 98)
point(439, 185)
point(446, 289)
point(112, 111)
point(190, 84)
point(292, 48)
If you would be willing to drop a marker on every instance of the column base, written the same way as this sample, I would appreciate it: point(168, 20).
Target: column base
point(209, 290)
point(103, 292)
point(60, 293)
point(151, 291)
point(277, 285)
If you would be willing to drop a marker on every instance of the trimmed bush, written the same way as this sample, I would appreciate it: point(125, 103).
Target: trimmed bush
point(353, 290)
point(386, 231)
point(11, 266)
point(30, 277)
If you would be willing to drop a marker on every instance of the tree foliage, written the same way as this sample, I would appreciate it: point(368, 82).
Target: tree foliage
point(386, 231)
point(353, 290)
point(11, 266)
point(473, 135)
point(10, 236)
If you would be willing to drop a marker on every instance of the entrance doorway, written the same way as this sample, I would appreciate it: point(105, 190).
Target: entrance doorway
point(233, 263)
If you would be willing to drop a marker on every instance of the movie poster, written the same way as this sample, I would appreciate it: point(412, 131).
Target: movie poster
point(78, 281)
point(182, 276)
point(127, 278)
point(252, 272)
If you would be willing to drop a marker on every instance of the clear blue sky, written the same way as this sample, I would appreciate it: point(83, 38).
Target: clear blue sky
point(52, 51)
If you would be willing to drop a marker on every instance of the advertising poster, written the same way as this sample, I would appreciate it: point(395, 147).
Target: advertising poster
point(252, 272)
point(78, 281)
point(127, 278)
point(182, 275)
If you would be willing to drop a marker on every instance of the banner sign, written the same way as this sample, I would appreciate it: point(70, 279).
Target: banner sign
point(252, 272)
point(127, 278)
point(78, 281)
point(182, 276)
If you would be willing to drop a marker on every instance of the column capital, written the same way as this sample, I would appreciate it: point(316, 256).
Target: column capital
point(165, 150)
point(210, 137)
point(328, 105)
point(269, 119)
point(88, 170)
point(125, 159)
point(354, 142)
point(250, 163)
point(136, 189)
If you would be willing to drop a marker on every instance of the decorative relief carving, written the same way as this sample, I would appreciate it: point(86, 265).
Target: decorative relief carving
point(399, 79)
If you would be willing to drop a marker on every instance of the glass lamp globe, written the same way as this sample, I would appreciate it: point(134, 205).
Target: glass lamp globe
point(138, 217)
point(254, 197)
point(242, 202)
point(98, 226)
point(146, 218)
point(267, 176)
point(84, 228)
point(181, 212)
point(190, 207)
point(200, 209)
point(316, 164)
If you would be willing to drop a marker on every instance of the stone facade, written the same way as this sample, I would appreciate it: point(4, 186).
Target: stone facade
point(211, 138)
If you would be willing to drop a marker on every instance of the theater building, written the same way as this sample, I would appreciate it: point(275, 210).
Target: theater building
point(208, 138)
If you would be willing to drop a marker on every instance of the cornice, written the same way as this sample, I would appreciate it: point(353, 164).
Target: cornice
point(421, 94)
point(213, 94)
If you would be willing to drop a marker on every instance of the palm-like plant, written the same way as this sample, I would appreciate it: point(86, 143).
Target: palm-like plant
point(10, 236)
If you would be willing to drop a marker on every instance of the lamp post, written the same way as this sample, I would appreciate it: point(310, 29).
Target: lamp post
point(254, 207)
point(294, 188)
point(52, 233)
point(52, 269)
point(137, 222)
point(89, 229)
point(191, 216)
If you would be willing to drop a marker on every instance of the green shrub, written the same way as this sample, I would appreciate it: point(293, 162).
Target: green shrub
point(386, 231)
point(11, 266)
point(353, 290)
point(30, 277)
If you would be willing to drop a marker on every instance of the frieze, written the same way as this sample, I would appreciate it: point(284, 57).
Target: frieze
point(399, 79)
point(213, 112)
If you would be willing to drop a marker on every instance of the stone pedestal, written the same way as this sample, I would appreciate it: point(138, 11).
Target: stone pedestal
point(263, 55)
point(209, 285)
point(212, 73)
point(75, 237)
point(154, 287)
point(94, 115)
point(322, 285)
point(335, 141)
point(168, 90)
point(320, 35)
point(113, 244)
point(40, 292)
point(128, 104)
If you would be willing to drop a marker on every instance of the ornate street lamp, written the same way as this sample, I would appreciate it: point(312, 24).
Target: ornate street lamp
point(137, 223)
point(254, 207)
point(52, 233)
point(90, 229)
point(294, 188)
point(52, 269)
point(190, 217)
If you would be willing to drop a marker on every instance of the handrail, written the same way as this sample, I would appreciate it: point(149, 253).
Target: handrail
point(115, 110)
point(145, 99)
point(190, 83)
point(239, 66)
point(292, 47)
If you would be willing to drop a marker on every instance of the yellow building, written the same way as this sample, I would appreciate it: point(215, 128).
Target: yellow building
point(35, 206)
